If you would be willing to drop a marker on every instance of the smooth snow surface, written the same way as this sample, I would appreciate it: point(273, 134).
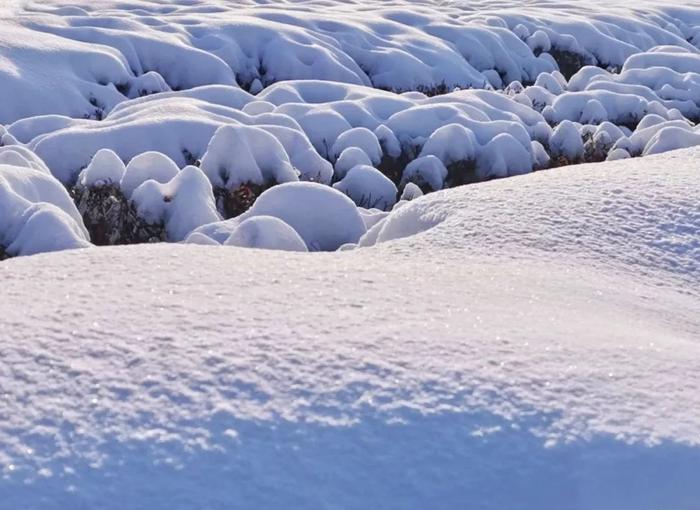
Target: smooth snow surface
point(537, 344)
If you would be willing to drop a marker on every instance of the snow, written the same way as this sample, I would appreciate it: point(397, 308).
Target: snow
point(368, 187)
point(349, 158)
point(361, 138)
point(243, 154)
point(36, 213)
point(266, 232)
point(411, 191)
point(565, 375)
point(426, 171)
point(105, 167)
point(566, 142)
point(524, 342)
point(147, 166)
point(322, 216)
point(182, 204)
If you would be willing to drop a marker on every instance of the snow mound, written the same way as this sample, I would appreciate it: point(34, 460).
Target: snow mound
point(181, 204)
point(368, 188)
point(324, 217)
point(266, 232)
point(36, 213)
point(242, 154)
point(179, 126)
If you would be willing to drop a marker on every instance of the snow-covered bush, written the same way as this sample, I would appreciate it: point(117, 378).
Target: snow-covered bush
point(349, 158)
point(180, 205)
point(147, 166)
point(361, 138)
point(266, 232)
point(105, 168)
point(566, 144)
point(36, 214)
point(368, 188)
point(427, 172)
point(241, 162)
point(324, 217)
point(148, 200)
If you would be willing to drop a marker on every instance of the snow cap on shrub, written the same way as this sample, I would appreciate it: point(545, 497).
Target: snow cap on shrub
point(324, 217)
point(245, 154)
point(182, 204)
point(105, 167)
point(368, 187)
point(147, 166)
point(361, 138)
point(266, 232)
point(566, 141)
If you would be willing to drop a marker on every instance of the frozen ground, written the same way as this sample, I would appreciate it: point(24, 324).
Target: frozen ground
point(538, 345)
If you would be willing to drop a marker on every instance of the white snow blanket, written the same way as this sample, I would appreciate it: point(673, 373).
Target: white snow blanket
point(535, 343)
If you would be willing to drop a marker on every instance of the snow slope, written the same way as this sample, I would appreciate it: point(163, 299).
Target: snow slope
point(535, 344)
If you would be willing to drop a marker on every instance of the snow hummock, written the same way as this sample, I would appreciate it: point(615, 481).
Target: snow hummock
point(182, 204)
point(243, 154)
point(267, 232)
point(368, 188)
point(36, 213)
point(323, 217)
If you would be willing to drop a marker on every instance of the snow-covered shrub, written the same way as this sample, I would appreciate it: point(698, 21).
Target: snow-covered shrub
point(368, 188)
point(599, 141)
point(503, 156)
point(456, 147)
point(637, 143)
point(241, 162)
point(180, 205)
point(266, 232)
point(21, 156)
point(361, 138)
point(426, 172)
point(36, 214)
point(349, 158)
point(540, 158)
point(566, 144)
point(410, 192)
point(111, 218)
point(671, 138)
point(390, 145)
point(617, 154)
point(103, 191)
point(105, 168)
point(324, 217)
point(147, 166)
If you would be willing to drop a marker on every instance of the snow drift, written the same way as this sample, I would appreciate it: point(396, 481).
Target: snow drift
point(536, 342)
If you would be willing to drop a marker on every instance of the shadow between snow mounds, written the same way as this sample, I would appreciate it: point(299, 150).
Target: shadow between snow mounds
point(446, 461)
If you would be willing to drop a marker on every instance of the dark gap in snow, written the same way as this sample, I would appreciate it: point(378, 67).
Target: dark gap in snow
point(569, 62)
point(190, 158)
point(234, 202)
point(460, 173)
point(393, 167)
point(111, 219)
point(3, 254)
